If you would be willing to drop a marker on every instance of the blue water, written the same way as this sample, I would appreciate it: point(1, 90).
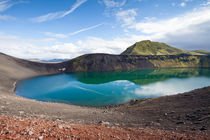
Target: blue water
point(112, 88)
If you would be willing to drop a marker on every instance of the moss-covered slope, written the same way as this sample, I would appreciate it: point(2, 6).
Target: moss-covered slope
point(148, 47)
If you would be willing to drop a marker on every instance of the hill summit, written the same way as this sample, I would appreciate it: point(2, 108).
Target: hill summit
point(148, 47)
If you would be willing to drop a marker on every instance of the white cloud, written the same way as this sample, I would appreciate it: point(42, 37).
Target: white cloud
point(112, 6)
point(149, 19)
point(57, 15)
point(6, 17)
point(128, 16)
point(114, 3)
point(49, 48)
point(99, 45)
point(174, 24)
point(181, 27)
point(207, 3)
point(27, 48)
point(54, 35)
point(183, 4)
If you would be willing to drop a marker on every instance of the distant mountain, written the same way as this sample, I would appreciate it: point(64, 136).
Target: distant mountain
point(48, 61)
point(34, 60)
point(148, 47)
point(54, 60)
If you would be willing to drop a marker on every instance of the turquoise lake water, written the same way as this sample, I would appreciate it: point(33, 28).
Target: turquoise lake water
point(112, 88)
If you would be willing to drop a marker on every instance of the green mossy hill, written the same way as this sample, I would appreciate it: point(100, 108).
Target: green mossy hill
point(148, 47)
point(202, 52)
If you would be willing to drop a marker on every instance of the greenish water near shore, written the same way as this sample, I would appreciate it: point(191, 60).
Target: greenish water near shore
point(112, 88)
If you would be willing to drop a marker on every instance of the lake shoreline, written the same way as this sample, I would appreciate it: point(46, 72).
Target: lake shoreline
point(109, 88)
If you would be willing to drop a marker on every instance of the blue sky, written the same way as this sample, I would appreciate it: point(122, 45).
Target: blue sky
point(47, 29)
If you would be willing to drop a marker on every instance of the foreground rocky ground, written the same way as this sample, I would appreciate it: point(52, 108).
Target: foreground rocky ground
point(29, 128)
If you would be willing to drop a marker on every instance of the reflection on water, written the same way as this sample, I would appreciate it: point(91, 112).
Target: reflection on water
point(172, 86)
point(140, 77)
point(111, 88)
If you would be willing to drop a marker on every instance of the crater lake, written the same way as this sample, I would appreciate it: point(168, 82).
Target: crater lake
point(112, 88)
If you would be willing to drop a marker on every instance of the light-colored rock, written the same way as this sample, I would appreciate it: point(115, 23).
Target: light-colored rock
point(30, 133)
point(41, 137)
point(104, 123)
point(60, 126)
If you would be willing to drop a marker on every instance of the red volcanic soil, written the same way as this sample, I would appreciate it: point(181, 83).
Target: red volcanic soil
point(30, 128)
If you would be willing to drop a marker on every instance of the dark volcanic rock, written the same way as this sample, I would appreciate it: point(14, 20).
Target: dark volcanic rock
point(107, 62)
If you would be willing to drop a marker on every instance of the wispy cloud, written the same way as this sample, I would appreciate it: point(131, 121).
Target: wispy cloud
point(6, 17)
point(6, 4)
point(57, 15)
point(56, 35)
point(114, 3)
point(86, 29)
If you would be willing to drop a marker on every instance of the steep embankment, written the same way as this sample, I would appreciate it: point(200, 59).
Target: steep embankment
point(148, 47)
point(13, 69)
point(106, 62)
